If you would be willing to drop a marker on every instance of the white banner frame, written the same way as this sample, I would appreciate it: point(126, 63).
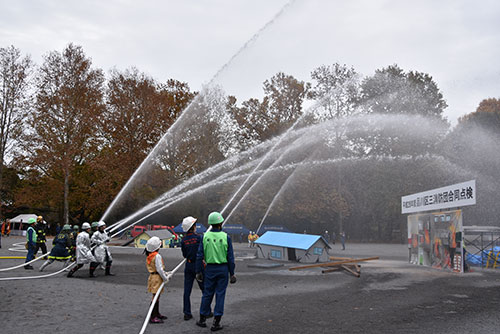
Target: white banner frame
point(456, 195)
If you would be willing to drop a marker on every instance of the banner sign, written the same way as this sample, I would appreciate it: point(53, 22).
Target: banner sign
point(457, 195)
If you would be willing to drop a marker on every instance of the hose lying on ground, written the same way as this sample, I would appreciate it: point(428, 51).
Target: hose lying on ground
point(26, 263)
point(41, 276)
point(18, 247)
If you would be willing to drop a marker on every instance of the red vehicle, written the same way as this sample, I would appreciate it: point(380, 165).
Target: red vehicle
point(159, 227)
point(136, 230)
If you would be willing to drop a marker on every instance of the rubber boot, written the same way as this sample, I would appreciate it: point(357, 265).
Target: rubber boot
point(45, 264)
point(155, 315)
point(216, 325)
point(158, 314)
point(91, 271)
point(72, 271)
point(108, 270)
point(202, 322)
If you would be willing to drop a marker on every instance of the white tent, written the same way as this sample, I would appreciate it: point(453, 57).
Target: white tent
point(23, 218)
point(19, 223)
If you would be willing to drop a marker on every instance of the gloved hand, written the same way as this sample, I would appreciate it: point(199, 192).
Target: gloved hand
point(232, 279)
point(199, 277)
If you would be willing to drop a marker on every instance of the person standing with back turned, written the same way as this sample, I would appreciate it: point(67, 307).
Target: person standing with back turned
point(189, 247)
point(41, 232)
point(30, 242)
point(216, 249)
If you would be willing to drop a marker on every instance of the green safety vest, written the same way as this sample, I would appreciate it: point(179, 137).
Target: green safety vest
point(215, 247)
point(33, 234)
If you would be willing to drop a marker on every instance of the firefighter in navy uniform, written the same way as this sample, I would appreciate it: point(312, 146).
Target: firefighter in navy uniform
point(41, 239)
point(189, 247)
point(61, 250)
point(216, 249)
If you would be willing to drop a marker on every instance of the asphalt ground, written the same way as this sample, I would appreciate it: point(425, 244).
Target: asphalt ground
point(391, 296)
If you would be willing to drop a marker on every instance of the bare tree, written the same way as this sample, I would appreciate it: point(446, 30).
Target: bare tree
point(14, 81)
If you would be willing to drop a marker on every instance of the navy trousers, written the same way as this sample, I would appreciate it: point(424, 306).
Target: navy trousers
point(189, 278)
point(31, 252)
point(216, 280)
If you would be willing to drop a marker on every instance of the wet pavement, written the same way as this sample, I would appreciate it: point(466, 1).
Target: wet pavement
point(391, 296)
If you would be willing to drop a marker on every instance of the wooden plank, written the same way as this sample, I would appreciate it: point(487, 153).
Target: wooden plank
point(330, 270)
point(329, 264)
point(350, 270)
point(358, 267)
point(340, 258)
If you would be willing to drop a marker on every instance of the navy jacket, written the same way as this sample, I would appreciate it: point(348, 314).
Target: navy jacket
point(189, 246)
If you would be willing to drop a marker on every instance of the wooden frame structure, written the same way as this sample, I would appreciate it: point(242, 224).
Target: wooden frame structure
point(340, 263)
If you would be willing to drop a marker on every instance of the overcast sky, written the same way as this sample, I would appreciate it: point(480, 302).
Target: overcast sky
point(456, 42)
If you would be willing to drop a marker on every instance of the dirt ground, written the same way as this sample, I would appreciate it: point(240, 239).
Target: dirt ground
point(391, 296)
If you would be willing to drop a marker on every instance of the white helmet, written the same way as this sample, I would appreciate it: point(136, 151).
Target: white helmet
point(153, 244)
point(85, 226)
point(187, 223)
point(100, 224)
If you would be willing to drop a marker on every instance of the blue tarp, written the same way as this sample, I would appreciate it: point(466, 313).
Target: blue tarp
point(289, 240)
point(199, 228)
point(235, 229)
point(263, 229)
point(482, 257)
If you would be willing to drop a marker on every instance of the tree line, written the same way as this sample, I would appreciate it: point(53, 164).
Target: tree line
point(71, 136)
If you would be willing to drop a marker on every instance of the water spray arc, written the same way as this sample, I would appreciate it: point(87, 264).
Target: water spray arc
point(263, 159)
point(180, 189)
point(186, 113)
point(283, 186)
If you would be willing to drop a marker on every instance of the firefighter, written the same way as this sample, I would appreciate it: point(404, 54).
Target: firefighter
point(73, 237)
point(83, 253)
point(62, 244)
point(41, 239)
point(189, 247)
point(30, 242)
point(101, 252)
point(216, 249)
point(94, 228)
